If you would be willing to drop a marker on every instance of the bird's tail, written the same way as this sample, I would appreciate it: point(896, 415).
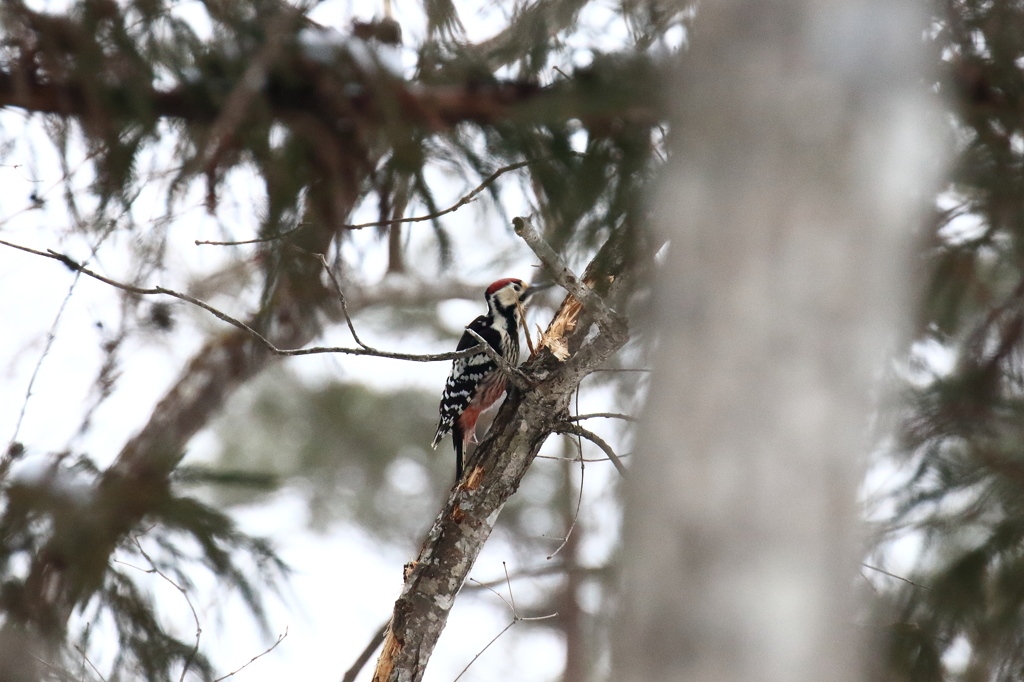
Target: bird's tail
point(438, 436)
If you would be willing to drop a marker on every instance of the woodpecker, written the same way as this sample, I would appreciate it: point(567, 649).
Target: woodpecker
point(477, 383)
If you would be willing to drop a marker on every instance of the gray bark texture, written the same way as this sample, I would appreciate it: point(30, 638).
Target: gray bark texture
point(800, 156)
point(495, 470)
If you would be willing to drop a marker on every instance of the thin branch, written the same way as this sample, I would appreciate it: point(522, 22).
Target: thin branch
point(85, 658)
point(608, 415)
point(513, 373)
point(141, 291)
point(622, 369)
point(579, 500)
point(260, 240)
point(51, 336)
point(341, 298)
point(508, 581)
point(526, 328)
point(515, 617)
point(535, 572)
point(481, 652)
point(64, 671)
point(893, 575)
point(578, 459)
point(375, 641)
point(467, 199)
point(490, 588)
point(577, 430)
point(153, 569)
point(280, 638)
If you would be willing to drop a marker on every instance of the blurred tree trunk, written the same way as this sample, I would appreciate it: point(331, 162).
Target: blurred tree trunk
point(799, 158)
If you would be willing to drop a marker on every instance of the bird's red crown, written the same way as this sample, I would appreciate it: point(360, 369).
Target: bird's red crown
point(502, 282)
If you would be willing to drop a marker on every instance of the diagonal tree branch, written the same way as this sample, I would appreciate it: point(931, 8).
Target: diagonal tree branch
point(495, 470)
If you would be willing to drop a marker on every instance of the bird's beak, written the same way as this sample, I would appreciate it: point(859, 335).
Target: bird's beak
point(532, 289)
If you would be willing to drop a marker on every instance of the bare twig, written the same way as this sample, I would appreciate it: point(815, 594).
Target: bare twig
point(535, 572)
point(84, 657)
point(577, 458)
point(154, 569)
point(467, 199)
point(579, 500)
point(608, 415)
point(893, 575)
point(64, 672)
point(260, 240)
point(488, 181)
point(622, 369)
point(490, 588)
point(515, 618)
point(51, 336)
point(280, 638)
point(375, 641)
point(526, 328)
point(577, 430)
point(142, 291)
point(341, 298)
point(508, 581)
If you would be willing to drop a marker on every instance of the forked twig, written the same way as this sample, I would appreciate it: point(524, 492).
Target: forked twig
point(515, 618)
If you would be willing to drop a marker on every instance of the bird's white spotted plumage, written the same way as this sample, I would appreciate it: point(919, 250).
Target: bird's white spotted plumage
point(476, 383)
